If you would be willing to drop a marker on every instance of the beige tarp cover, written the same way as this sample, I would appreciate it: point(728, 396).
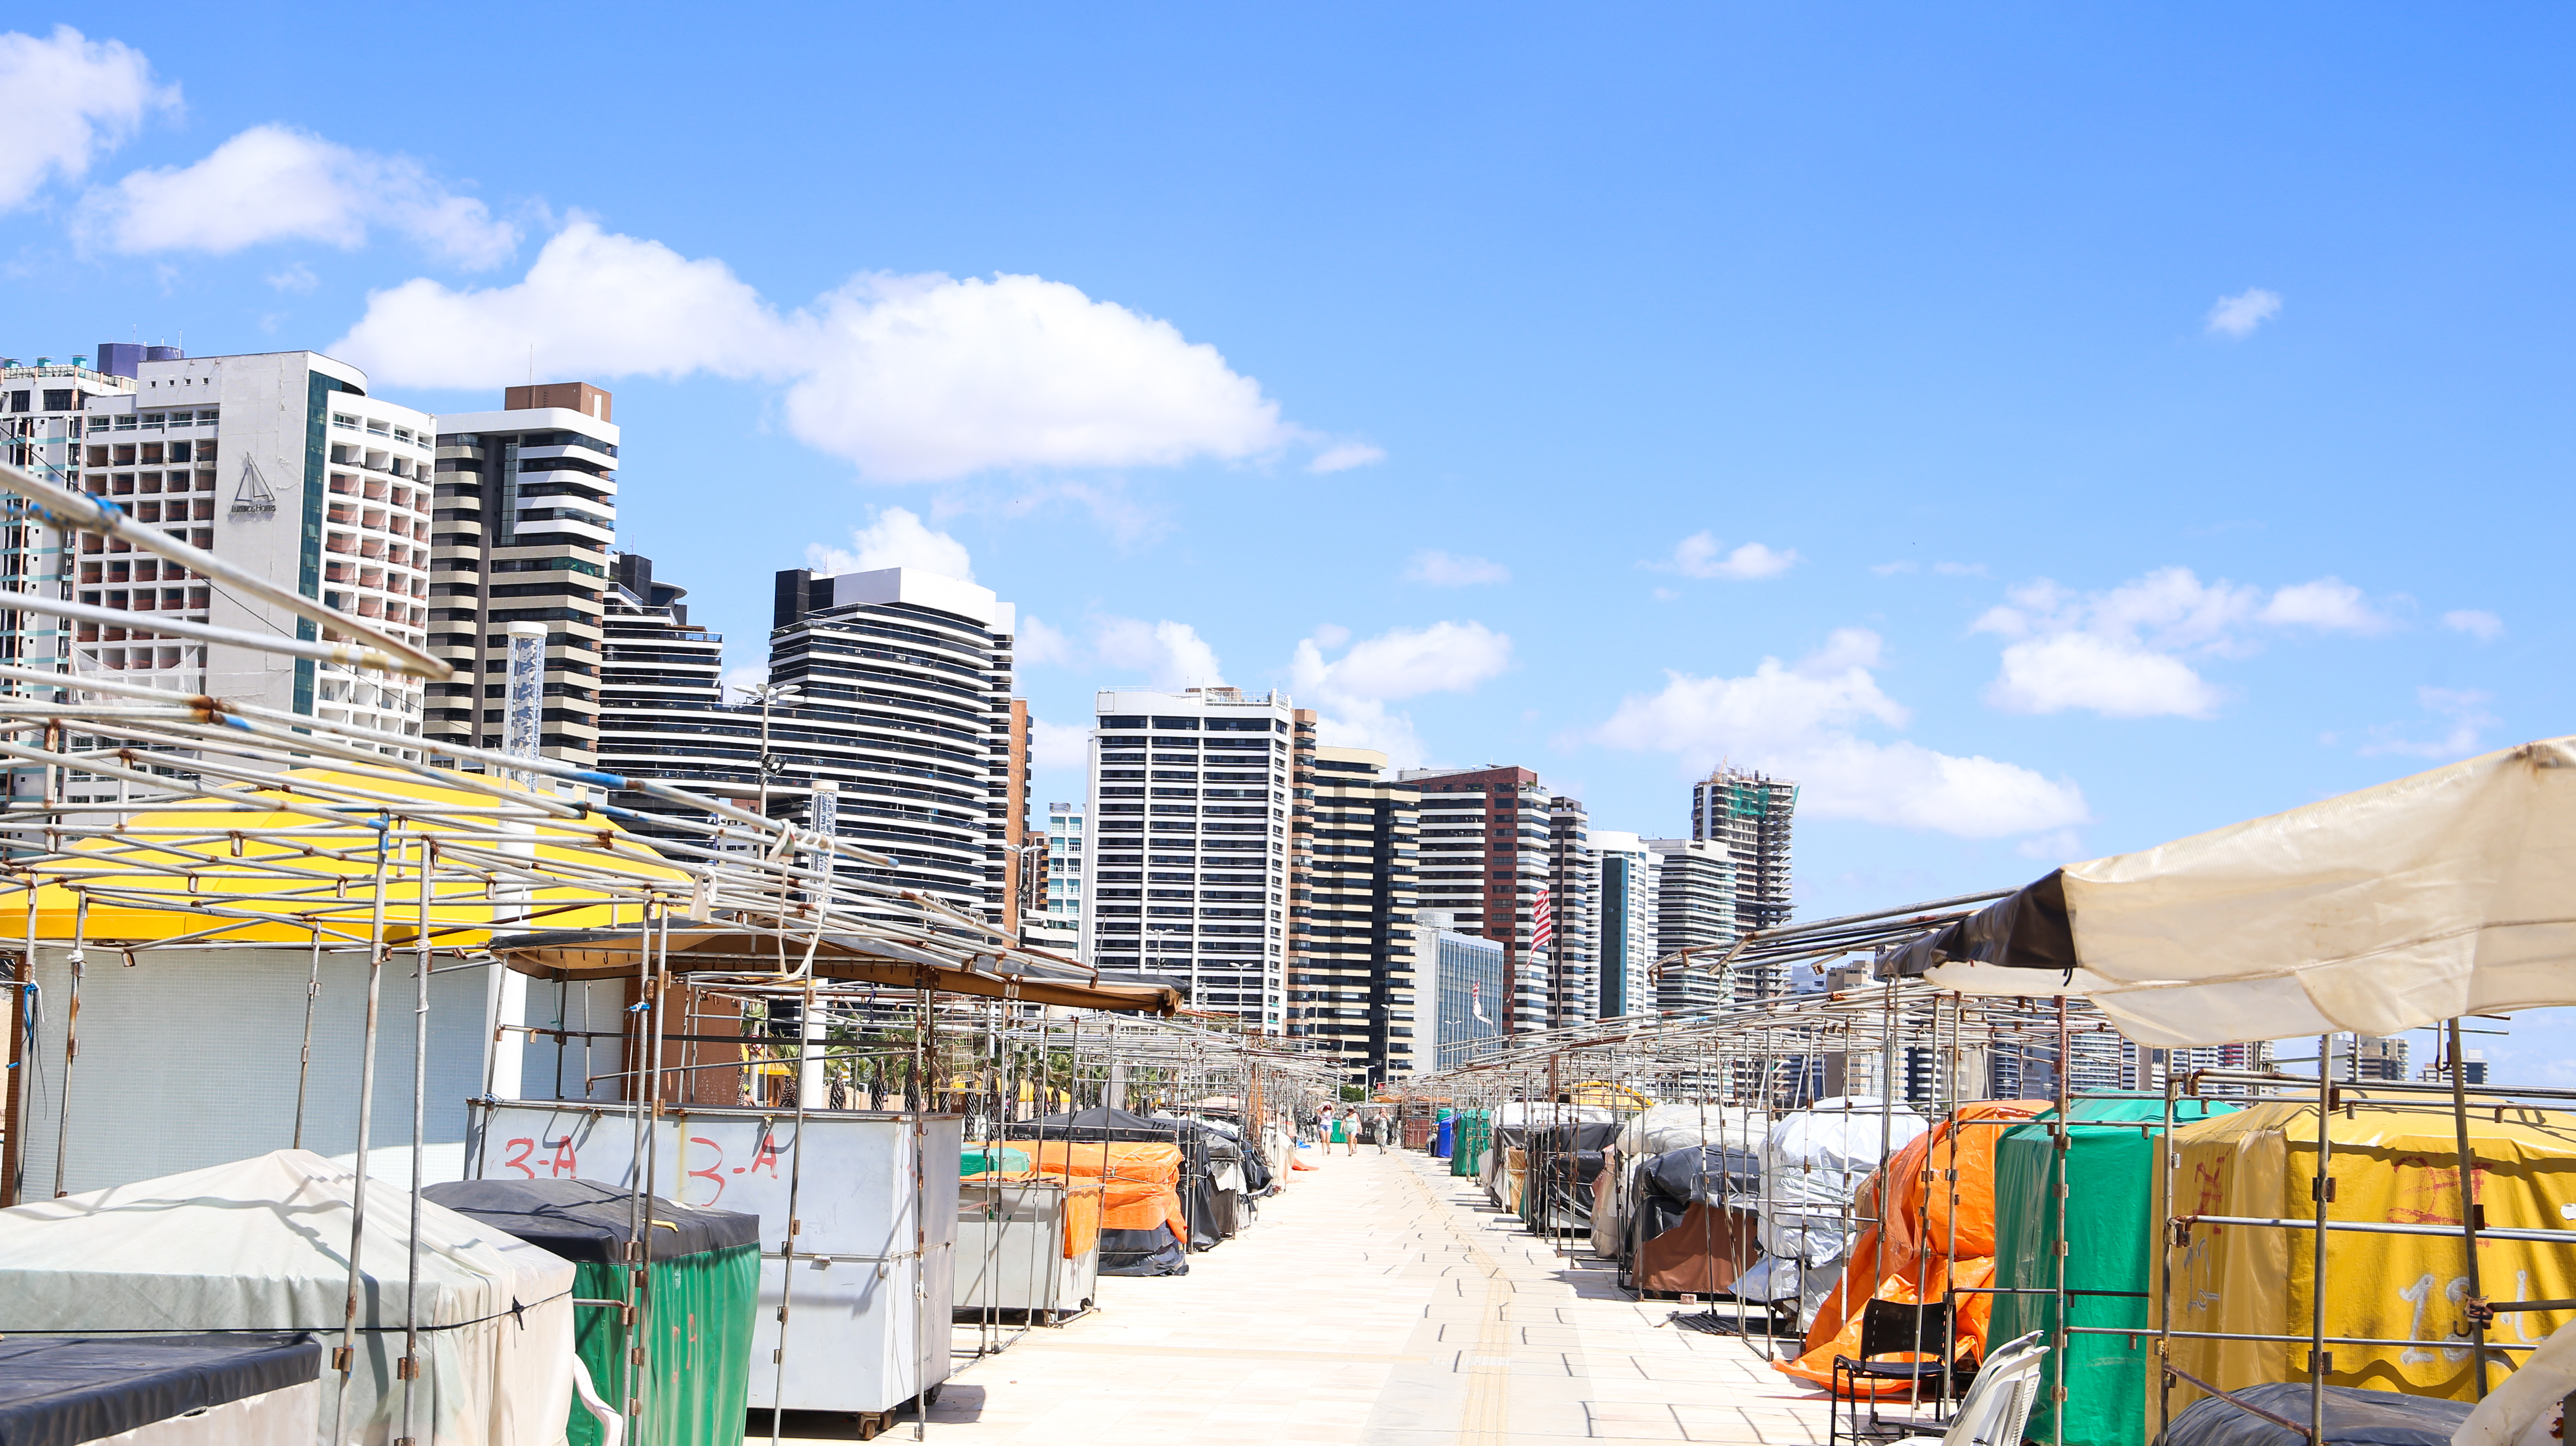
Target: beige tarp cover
point(2391, 1163)
point(2452, 892)
point(263, 1244)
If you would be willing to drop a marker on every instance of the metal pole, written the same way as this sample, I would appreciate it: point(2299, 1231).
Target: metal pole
point(2061, 1142)
point(419, 1126)
point(71, 1038)
point(2322, 1187)
point(304, 1063)
point(2470, 1209)
point(344, 1360)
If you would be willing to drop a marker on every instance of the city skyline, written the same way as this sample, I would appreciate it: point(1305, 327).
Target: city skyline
point(2002, 441)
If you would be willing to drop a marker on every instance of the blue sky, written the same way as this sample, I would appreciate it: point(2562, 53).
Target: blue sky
point(2041, 431)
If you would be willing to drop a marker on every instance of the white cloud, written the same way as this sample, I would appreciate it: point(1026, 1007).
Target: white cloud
point(1054, 746)
point(1343, 456)
point(2058, 846)
point(70, 98)
point(274, 183)
point(1037, 644)
point(298, 277)
point(749, 675)
point(1351, 693)
point(895, 538)
point(1170, 655)
point(2112, 676)
point(2124, 653)
point(1892, 569)
point(2329, 605)
point(913, 378)
point(2238, 315)
point(1801, 722)
point(1441, 569)
point(2478, 623)
point(2462, 709)
point(1698, 555)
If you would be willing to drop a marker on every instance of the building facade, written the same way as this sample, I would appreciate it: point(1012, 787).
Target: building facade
point(1751, 815)
point(1352, 985)
point(1466, 974)
point(902, 698)
point(527, 513)
point(1054, 916)
point(662, 710)
point(1574, 916)
point(1488, 853)
point(1188, 871)
point(1695, 899)
point(1628, 913)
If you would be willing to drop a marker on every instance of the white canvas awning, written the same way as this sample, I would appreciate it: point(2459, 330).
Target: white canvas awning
point(262, 1244)
point(2452, 892)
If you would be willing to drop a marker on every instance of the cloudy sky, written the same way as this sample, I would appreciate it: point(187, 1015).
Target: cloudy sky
point(2039, 433)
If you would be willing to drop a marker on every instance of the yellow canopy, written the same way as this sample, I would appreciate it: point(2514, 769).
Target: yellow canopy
point(209, 867)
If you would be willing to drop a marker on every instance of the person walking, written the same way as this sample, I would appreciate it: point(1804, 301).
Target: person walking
point(1342, 1134)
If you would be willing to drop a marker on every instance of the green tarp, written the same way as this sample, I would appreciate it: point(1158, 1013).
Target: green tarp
point(702, 1309)
point(1474, 1134)
point(2109, 1160)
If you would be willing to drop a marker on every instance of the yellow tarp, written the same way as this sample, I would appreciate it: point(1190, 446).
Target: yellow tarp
point(2389, 1162)
point(186, 883)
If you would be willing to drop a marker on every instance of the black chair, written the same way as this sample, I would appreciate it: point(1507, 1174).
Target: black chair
point(1898, 1342)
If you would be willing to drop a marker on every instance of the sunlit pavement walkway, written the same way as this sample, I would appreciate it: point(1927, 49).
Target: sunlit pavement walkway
point(1378, 1300)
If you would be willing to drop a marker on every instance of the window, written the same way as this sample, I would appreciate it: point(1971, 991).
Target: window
point(56, 401)
point(402, 434)
point(343, 419)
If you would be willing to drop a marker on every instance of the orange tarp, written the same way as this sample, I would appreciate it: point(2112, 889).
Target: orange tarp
point(1915, 1265)
point(1137, 1179)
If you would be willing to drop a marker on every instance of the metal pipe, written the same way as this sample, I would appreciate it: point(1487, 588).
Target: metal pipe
point(2470, 1209)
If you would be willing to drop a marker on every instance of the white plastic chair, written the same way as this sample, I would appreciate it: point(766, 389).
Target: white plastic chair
point(1998, 1405)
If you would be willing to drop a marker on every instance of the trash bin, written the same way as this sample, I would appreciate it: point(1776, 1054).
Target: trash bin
point(1444, 1142)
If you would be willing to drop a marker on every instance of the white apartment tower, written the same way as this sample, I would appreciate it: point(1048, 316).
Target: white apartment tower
point(279, 462)
point(527, 512)
point(1354, 987)
point(1629, 911)
point(1695, 894)
point(1187, 874)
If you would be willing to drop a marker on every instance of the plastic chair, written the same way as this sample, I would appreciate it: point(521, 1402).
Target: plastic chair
point(1898, 1342)
point(1998, 1404)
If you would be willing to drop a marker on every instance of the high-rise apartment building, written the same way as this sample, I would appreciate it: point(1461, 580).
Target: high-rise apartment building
point(902, 698)
point(1751, 815)
point(1188, 871)
point(662, 710)
point(1695, 901)
point(1054, 916)
point(1628, 913)
point(1353, 986)
point(527, 512)
point(1488, 852)
point(1574, 916)
point(279, 462)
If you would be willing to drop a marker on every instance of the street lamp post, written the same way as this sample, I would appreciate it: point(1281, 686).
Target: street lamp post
point(766, 694)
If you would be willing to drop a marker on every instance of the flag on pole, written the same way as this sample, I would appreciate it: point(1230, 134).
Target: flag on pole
point(1542, 921)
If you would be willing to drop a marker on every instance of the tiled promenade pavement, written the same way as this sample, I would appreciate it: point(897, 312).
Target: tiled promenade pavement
point(1380, 1301)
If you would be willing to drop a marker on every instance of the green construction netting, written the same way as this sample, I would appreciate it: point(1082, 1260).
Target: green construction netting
point(2108, 1164)
point(1005, 1159)
point(1473, 1134)
point(702, 1307)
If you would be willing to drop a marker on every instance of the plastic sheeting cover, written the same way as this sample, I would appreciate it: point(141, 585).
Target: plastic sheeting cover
point(58, 1392)
point(2353, 1418)
point(1815, 1160)
point(1671, 1127)
point(261, 1244)
point(586, 1221)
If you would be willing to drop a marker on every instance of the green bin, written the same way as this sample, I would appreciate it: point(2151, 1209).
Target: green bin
point(702, 1288)
point(2110, 1154)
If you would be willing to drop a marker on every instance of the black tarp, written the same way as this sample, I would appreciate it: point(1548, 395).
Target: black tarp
point(1142, 1252)
point(587, 1222)
point(2353, 1418)
point(1564, 1161)
point(1102, 1122)
point(1667, 1185)
point(2028, 929)
point(61, 1390)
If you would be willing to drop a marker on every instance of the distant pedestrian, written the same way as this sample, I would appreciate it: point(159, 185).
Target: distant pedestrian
point(1342, 1134)
point(1375, 1129)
